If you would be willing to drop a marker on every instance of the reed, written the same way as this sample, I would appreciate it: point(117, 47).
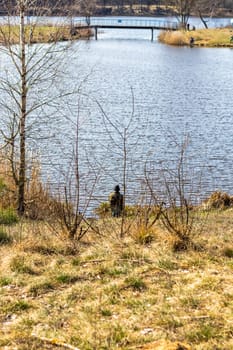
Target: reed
point(177, 38)
point(220, 37)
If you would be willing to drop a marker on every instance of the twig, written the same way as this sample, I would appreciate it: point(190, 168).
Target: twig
point(55, 342)
point(97, 261)
point(195, 317)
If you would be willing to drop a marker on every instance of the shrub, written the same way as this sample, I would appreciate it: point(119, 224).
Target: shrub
point(143, 235)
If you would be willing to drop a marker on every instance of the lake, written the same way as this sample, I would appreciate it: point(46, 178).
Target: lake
point(154, 95)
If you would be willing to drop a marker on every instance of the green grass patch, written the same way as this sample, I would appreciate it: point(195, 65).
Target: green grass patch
point(136, 283)
point(167, 264)
point(191, 302)
point(203, 333)
point(76, 262)
point(18, 264)
point(106, 312)
point(8, 217)
point(41, 288)
point(5, 238)
point(66, 278)
point(17, 306)
point(114, 271)
point(5, 281)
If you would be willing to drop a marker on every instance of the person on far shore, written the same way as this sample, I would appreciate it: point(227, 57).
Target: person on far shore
point(191, 42)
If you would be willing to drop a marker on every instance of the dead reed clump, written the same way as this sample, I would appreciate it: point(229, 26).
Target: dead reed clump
point(178, 38)
point(214, 37)
point(38, 197)
point(142, 235)
point(218, 200)
point(8, 187)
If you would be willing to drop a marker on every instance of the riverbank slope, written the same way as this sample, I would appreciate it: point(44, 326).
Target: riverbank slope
point(112, 293)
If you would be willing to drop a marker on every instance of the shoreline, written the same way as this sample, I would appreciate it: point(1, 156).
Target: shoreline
point(214, 37)
point(42, 34)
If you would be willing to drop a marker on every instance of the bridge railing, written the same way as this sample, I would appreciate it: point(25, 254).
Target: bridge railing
point(130, 23)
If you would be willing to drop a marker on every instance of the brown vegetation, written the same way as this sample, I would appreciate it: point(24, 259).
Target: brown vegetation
point(218, 200)
point(116, 294)
point(202, 37)
point(107, 292)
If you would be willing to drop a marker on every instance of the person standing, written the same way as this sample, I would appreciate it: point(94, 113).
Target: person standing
point(116, 202)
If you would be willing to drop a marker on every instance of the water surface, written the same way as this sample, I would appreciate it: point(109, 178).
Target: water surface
point(163, 94)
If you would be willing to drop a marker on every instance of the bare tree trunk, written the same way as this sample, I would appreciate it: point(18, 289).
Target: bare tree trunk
point(124, 179)
point(32, 65)
point(202, 19)
point(23, 109)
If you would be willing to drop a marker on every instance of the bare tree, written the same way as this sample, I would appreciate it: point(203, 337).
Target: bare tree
point(206, 8)
point(123, 143)
point(76, 188)
point(182, 10)
point(28, 75)
point(87, 9)
point(175, 196)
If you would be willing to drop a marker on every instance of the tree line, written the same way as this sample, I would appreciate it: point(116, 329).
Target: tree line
point(121, 7)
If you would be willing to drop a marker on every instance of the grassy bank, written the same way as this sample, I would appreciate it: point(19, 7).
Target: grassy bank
point(41, 34)
point(202, 37)
point(112, 293)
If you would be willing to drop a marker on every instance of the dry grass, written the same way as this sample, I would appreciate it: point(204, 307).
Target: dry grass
point(38, 201)
point(202, 37)
point(117, 294)
point(178, 38)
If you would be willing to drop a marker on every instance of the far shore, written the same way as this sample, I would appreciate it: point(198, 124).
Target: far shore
point(215, 37)
point(42, 34)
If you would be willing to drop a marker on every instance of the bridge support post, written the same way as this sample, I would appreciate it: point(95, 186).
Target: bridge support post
point(96, 33)
point(152, 34)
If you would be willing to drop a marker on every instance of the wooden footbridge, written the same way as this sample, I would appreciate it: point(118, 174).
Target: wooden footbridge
point(126, 24)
